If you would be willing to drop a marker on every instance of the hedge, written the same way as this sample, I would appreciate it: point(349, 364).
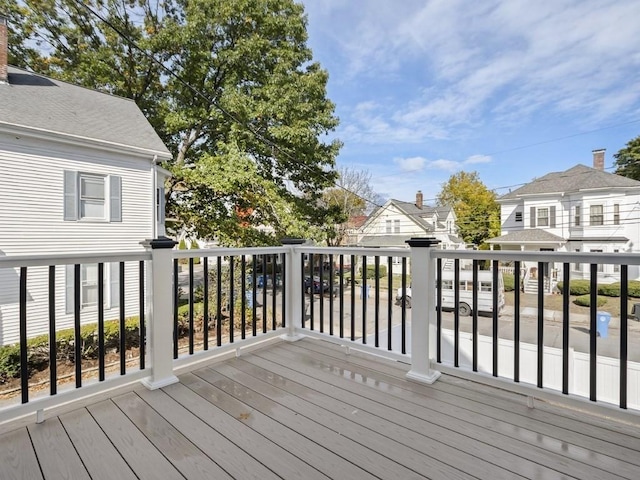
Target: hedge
point(583, 287)
point(371, 271)
point(509, 282)
point(38, 347)
point(585, 300)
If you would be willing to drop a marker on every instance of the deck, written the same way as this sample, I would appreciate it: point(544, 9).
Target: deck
point(306, 410)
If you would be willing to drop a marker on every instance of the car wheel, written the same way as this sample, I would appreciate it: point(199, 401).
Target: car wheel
point(464, 310)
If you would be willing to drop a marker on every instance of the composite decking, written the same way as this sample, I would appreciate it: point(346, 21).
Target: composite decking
point(307, 410)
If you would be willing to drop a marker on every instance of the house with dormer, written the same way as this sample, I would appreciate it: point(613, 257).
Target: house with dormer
point(582, 209)
point(79, 174)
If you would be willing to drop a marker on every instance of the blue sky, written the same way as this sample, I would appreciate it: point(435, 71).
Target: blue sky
point(511, 89)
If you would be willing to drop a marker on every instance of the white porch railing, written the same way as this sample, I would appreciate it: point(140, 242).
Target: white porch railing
point(237, 298)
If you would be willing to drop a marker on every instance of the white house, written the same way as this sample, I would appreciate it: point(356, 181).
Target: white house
point(392, 224)
point(79, 174)
point(581, 209)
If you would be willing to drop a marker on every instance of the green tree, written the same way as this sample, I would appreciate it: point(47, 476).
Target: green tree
point(627, 160)
point(475, 206)
point(352, 196)
point(245, 115)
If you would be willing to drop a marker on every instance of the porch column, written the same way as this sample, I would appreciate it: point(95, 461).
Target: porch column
point(293, 289)
point(160, 325)
point(423, 311)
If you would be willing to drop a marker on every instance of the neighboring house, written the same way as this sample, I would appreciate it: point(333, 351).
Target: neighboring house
point(582, 209)
point(352, 230)
point(79, 175)
point(392, 224)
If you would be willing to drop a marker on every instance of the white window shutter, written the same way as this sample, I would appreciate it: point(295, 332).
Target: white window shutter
point(115, 198)
point(552, 220)
point(114, 285)
point(68, 288)
point(70, 195)
point(532, 217)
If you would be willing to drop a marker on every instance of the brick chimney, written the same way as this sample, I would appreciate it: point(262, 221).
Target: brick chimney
point(4, 49)
point(598, 159)
point(419, 199)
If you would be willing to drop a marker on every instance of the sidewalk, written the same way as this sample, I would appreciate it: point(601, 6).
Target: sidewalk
point(575, 318)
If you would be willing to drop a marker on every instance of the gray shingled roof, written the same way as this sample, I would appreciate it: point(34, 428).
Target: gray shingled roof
point(574, 179)
point(532, 235)
point(39, 102)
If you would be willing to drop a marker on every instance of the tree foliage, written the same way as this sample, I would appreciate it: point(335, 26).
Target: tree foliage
point(627, 160)
point(475, 206)
point(352, 196)
point(242, 106)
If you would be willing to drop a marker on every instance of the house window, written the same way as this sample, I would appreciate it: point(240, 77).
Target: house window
point(92, 197)
point(397, 260)
point(595, 215)
point(388, 224)
point(577, 266)
point(447, 284)
point(600, 265)
point(485, 286)
point(543, 217)
point(89, 286)
point(396, 226)
point(616, 214)
point(518, 216)
point(576, 218)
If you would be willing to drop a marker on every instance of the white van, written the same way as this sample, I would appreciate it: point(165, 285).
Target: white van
point(485, 292)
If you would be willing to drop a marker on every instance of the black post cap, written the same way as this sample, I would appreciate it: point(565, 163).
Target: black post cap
point(293, 241)
point(423, 242)
point(160, 242)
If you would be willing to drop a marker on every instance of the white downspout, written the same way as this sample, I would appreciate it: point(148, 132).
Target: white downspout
point(154, 197)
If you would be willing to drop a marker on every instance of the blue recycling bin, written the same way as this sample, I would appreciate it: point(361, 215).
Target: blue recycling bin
point(602, 323)
point(362, 292)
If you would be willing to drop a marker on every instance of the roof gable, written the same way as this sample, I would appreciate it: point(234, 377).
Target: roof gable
point(37, 102)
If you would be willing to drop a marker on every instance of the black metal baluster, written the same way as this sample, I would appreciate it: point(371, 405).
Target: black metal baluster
point(232, 298)
point(439, 310)
point(341, 302)
point(205, 303)
point(456, 312)
point(191, 306)
point(219, 301)
point(24, 366)
point(123, 327)
point(254, 296)
point(566, 278)
point(403, 318)
point(377, 304)
point(76, 325)
point(142, 331)
point(273, 289)
point(264, 294)
point(624, 333)
point(389, 300)
point(176, 303)
point(364, 299)
point(53, 364)
point(516, 322)
point(101, 349)
point(474, 328)
point(304, 293)
point(331, 297)
point(496, 327)
point(321, 294)
point(311, 289)
point(540, 323)
point(243, 301)
point(593, 359)
point(283, 285)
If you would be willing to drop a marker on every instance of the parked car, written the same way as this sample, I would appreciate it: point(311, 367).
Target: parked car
point(314, 284)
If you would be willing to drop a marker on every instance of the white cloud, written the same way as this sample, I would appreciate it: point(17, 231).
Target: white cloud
point(412, 164)
point(473, 159)
point(447, 165)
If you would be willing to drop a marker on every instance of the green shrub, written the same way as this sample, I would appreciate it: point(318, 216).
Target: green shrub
point(585, 301)
point(577, 287)
point(610, 290)
point(509, 282)
point(194, 246)
point(371, 271)
point(634, 288)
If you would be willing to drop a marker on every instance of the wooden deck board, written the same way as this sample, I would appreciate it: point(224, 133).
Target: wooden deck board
point(308, 410)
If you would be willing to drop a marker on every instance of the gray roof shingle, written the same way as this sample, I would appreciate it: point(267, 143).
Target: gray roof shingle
point(535, 235)
point(575, 179)
point(38, 102)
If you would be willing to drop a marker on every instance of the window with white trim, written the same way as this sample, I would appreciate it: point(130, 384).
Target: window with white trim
point(596, 218)
point(543, 217)
point(576, 217)
point(616, 214)
point(388, 226)
point(518, 216)
point(396, 226)
point(89, 196)
point(89, 286)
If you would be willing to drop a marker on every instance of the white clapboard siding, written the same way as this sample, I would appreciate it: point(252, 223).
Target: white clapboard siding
point(32, 222)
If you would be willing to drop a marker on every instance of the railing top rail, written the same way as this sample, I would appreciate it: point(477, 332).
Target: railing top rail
point(227, 252)
point(17, 261)
point(568, 257)
point(384, 252)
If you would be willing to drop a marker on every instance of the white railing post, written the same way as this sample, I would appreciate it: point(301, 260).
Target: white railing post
point(293, 288)
point(160, 324)
point(423, 311)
